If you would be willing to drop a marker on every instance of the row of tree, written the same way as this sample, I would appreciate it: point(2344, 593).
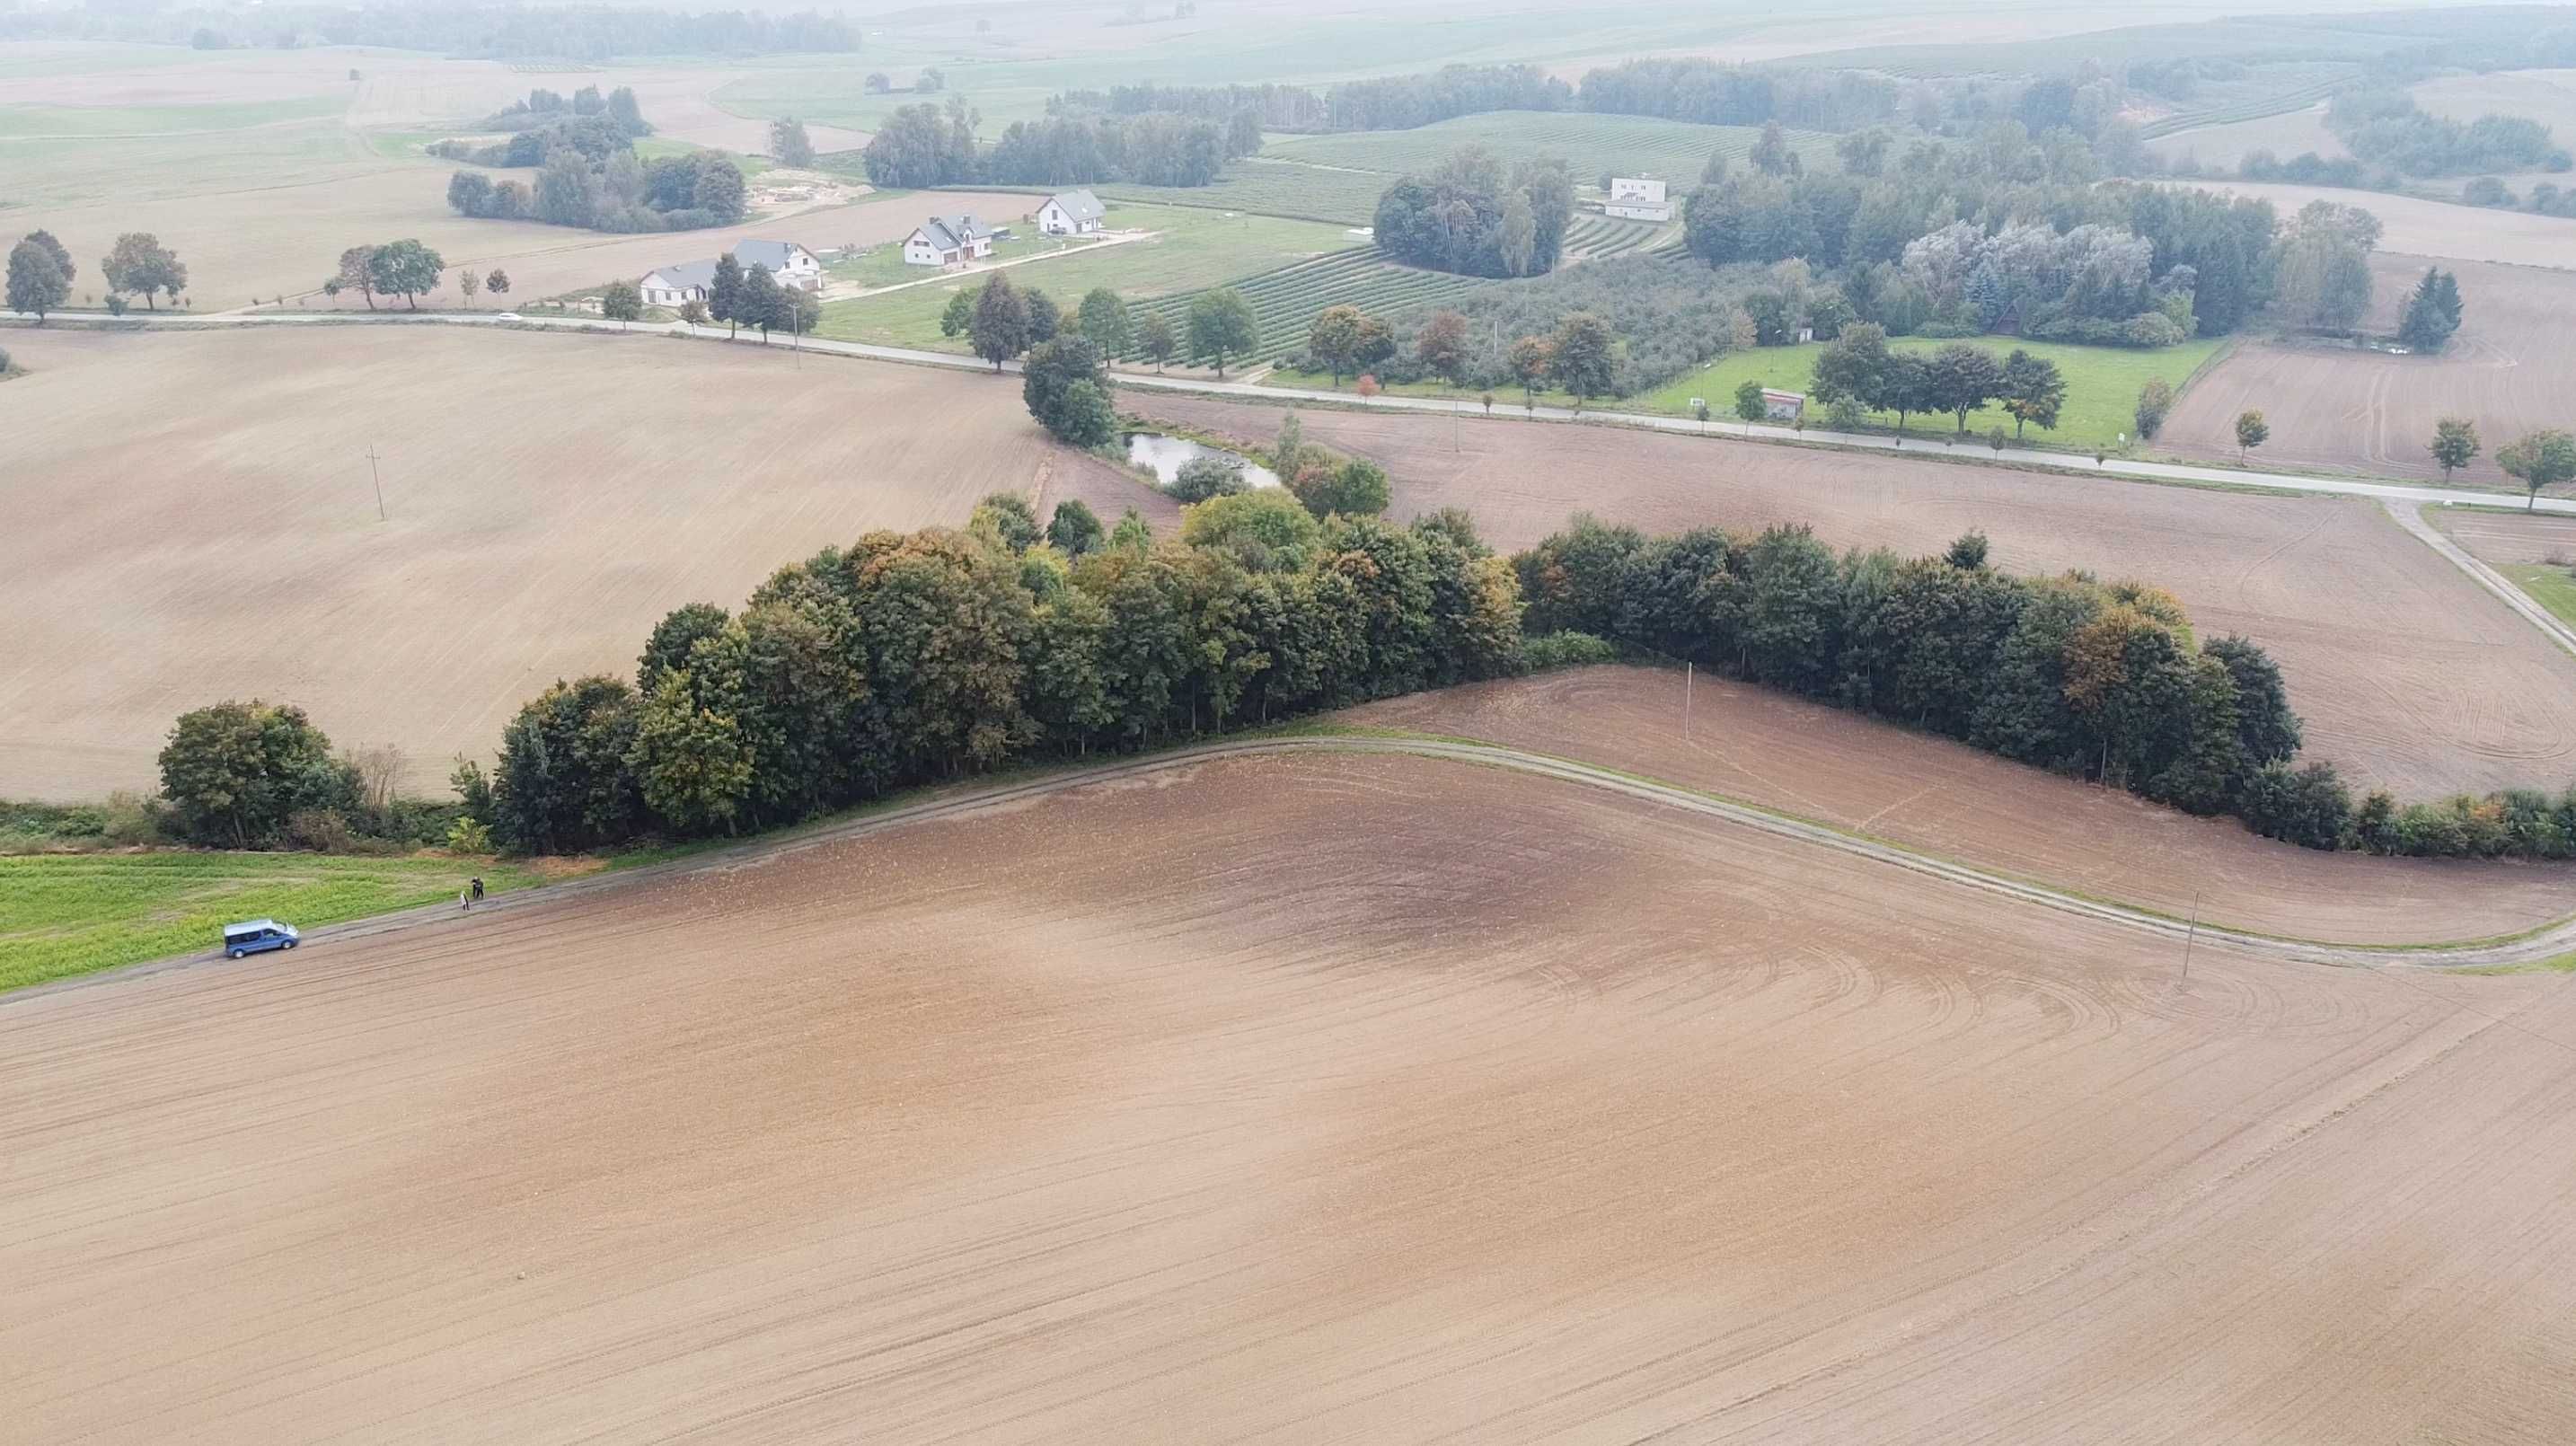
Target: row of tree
point(41, 272)
point(1004, 321)
point(2386, 127)
point(926, 145)
point(1471, 216)
point(1959, 379)
point(542, 107)
point(2102, 681)
point(1389, 103)
point(914, 658)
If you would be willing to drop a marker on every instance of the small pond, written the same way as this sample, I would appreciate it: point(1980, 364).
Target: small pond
point(1164, 455)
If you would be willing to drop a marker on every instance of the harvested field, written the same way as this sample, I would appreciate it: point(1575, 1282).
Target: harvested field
point(2411, 677)
point(1942, 798)
point(2501, 540)
point(287, 240)
point(2412, 227)
point(2338, 410)
point(2546, 96)
point(1252, 1106)
point(220, 538)
point(2222, 147)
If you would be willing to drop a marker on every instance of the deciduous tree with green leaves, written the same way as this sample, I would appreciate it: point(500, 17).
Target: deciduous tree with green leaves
point(2033, 391)
point(139, 265)
point(789, 143)
point(621, 301)
point(1074, 529)
point(2455, 444)
point(406, 269)
point(1750, 405)
point(2251, 432)
point(1000, 329)
point(2541, 460)
point(1103, 318)
point(1222, 324)
point(1155, 338)
point(36, 284)
point(1583, 356)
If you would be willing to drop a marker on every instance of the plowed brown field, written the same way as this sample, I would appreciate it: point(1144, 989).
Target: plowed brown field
point(1942, 798)
point(2410, 676)
point(2369, 413)
point(1361, 1099)
point(2499, 539)
point(191, 518)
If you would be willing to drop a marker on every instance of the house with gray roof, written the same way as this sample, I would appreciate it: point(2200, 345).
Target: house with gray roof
point(947, 241)
point(1072, 213)
point(791, 264)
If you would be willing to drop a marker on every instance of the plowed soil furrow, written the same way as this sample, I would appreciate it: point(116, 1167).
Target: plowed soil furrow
point(1289, 1099)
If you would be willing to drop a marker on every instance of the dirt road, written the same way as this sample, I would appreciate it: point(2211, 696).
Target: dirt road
point(1290, 1099)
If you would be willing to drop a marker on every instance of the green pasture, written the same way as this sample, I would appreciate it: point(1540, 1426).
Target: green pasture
point(1194, 249)
point(1272, 188)
point(66, 914)
point(883, 264)
point(42, 122)
point(2101, 385)
point(2552, 587)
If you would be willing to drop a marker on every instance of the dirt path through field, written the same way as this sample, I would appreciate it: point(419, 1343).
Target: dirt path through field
point(1355, 1098)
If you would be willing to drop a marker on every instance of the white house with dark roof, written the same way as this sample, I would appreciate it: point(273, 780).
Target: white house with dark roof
point(1638, 198)
point(947, 241)
point(1072, 213)
point(791, 265)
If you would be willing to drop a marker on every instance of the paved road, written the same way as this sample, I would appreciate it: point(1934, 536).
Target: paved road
point(2397, 494)
point(2547, 943)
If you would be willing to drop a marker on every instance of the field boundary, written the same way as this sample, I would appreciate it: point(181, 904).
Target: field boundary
point(2542, 943)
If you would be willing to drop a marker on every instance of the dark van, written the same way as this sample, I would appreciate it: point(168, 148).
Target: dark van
point(258, 936)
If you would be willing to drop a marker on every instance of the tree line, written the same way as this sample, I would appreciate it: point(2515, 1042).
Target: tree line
point(1387, 103)
point(1858, 373)
point(928, 145)
point(2385, 127)
point(138, 265)
point(921, 657)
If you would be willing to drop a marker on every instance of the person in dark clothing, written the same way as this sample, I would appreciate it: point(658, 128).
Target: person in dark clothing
point(478, 890)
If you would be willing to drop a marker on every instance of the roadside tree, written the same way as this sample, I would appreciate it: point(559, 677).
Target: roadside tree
point(2155, 403)
point(1750, 406)
point(621, 302)
point(1582, 356)
point(2251, 432)
point(406, 269)
point(470, 282)
point(62, 254)
point(497, 281)
point(36, 284)
point(1441, 348)
point(1103, 318)
point(2033, 391)
point(759, 303)
point(724, 295)
point(1222, 324)
point(1154, 337)
point(1963, 379)
point(1531, 362)
point(1000, 328)
point(2542, 459)
point(2455, 444)
point(140, 265)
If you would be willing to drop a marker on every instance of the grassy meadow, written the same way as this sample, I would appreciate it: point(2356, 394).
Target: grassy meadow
point(1195, 249)
point(2101, 385)
point(67, 914)
point(2552, 587)
point(1591, 144)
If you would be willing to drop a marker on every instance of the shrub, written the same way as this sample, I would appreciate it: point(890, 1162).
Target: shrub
point(1201, 478)
point(2155, 400)
point(1565, 649)
point(2305, 806)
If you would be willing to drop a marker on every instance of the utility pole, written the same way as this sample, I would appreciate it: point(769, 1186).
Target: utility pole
point(2191, 935)
point(380, 481)
point(1690, 677)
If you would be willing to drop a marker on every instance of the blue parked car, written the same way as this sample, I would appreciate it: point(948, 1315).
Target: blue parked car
point(258, 936)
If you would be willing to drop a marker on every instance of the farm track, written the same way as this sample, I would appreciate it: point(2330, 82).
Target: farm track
point(1334, 1094)
point(2555, 938)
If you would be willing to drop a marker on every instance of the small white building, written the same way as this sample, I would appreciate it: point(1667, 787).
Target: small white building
point(789, 264)
point(947, 241)
point(1637, 198)
point(1072, 213)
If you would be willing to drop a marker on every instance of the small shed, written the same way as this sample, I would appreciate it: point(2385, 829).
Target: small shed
point(1783, 406)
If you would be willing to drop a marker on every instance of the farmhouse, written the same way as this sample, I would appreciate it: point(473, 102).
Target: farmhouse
point(1072, 213)
point(947, 241)
point(1637, 198)
point(790, 263)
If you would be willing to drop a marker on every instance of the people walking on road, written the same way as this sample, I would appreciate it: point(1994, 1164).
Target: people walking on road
point(478, 888)
point(465, 899)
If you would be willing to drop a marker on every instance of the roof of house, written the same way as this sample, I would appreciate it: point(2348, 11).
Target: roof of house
point(951, 233)
point(1080, 205)
point(746, 254)
point(684, 276)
